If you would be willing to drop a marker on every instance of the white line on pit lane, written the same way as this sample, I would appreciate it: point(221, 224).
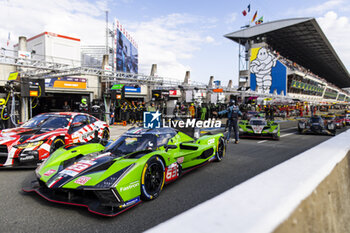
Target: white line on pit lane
point(284, 135)
point(288, 129)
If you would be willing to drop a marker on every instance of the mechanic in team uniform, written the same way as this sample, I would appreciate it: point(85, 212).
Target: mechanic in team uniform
point(133, 112)
point(125, 111)
point(233, 113)
point(139, 111)
point(66, 107)
point(83, 106)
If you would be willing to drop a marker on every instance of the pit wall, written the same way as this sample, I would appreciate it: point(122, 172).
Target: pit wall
point(327, 208)
point(307, 193)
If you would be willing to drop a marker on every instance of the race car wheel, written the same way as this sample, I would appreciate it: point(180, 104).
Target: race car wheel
point(220, 153)
point(276, 137)
point(57, 143)
point(152, 179)
point(105, 137)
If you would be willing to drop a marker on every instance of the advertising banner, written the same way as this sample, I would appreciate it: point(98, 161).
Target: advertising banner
point(267, 74)
point(132, 89)
point(126, 51)
point(66, 82)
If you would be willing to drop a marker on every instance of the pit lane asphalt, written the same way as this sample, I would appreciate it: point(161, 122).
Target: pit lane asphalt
point(21, 212)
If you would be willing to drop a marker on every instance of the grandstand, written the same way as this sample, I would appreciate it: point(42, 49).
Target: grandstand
point(292, 57)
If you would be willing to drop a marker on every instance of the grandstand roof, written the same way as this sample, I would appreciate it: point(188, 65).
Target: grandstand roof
point(302, 41)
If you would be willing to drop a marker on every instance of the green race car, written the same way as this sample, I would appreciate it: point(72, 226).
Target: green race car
point(259, 128)
point(109, 180)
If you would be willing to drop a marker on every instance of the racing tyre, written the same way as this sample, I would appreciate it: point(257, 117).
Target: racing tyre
point(276, 137)
point(105, 137)
point(57, 143)
point(220, 153)
point(152, 179)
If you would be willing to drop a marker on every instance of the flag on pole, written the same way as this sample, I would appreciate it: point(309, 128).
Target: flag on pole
point(246, 11)
point(260, 20)
point(8, 39)
point(254, 16)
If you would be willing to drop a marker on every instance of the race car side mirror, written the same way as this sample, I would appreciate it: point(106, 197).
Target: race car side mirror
point(167, 147)
point(77, 124)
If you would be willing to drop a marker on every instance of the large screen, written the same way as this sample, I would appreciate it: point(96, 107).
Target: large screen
point(126, 53)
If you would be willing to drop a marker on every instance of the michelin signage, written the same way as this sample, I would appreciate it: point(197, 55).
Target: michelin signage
point(267, 74)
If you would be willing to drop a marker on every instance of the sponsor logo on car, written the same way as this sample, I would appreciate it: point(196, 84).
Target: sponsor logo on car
point(180, 160)
point(82, 180)
point(49, 172)
point(131, 202)
point(132, 185)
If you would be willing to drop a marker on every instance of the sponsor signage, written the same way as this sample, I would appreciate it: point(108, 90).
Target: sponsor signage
point(267, 73)
point(24, 55)
point(160, 94)
point(66, 82)
point(217, 82)
point(117, 86)
point(32, 88)
point(13, 76)
point(218, 90)
point(172, 92)
point(132, 89)
point(34, 93)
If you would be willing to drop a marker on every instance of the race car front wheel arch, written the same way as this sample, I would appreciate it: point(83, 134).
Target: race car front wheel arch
point(152, 178)
point(57, 143)
point(220, 153)
point(105, 137)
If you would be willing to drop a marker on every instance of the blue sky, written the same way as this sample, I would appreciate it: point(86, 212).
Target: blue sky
point(177, 35)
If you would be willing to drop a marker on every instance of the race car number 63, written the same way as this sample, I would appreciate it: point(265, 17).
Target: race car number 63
point(78, 167)
point(172, 172)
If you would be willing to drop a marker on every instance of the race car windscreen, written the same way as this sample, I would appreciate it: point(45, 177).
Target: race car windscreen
point(315, 120)
point(257, 122)
point(328, 118)
point(127, 144)
point(47, 121)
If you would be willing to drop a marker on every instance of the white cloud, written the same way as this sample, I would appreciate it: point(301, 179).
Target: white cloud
point(209, 39)
point(337, 30)
point(231, 18)
point(322, 8)
point(169, 41)
point(165, 40)
point(75, 18)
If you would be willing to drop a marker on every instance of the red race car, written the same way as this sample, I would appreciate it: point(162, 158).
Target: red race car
point(36, 139)
point(347, 119)
point(340, 121)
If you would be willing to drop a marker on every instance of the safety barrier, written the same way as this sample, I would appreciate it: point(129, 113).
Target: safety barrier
point(307, 193)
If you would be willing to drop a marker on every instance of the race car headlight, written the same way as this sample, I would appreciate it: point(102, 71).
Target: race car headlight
point(113, 180)
point(29, 144)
